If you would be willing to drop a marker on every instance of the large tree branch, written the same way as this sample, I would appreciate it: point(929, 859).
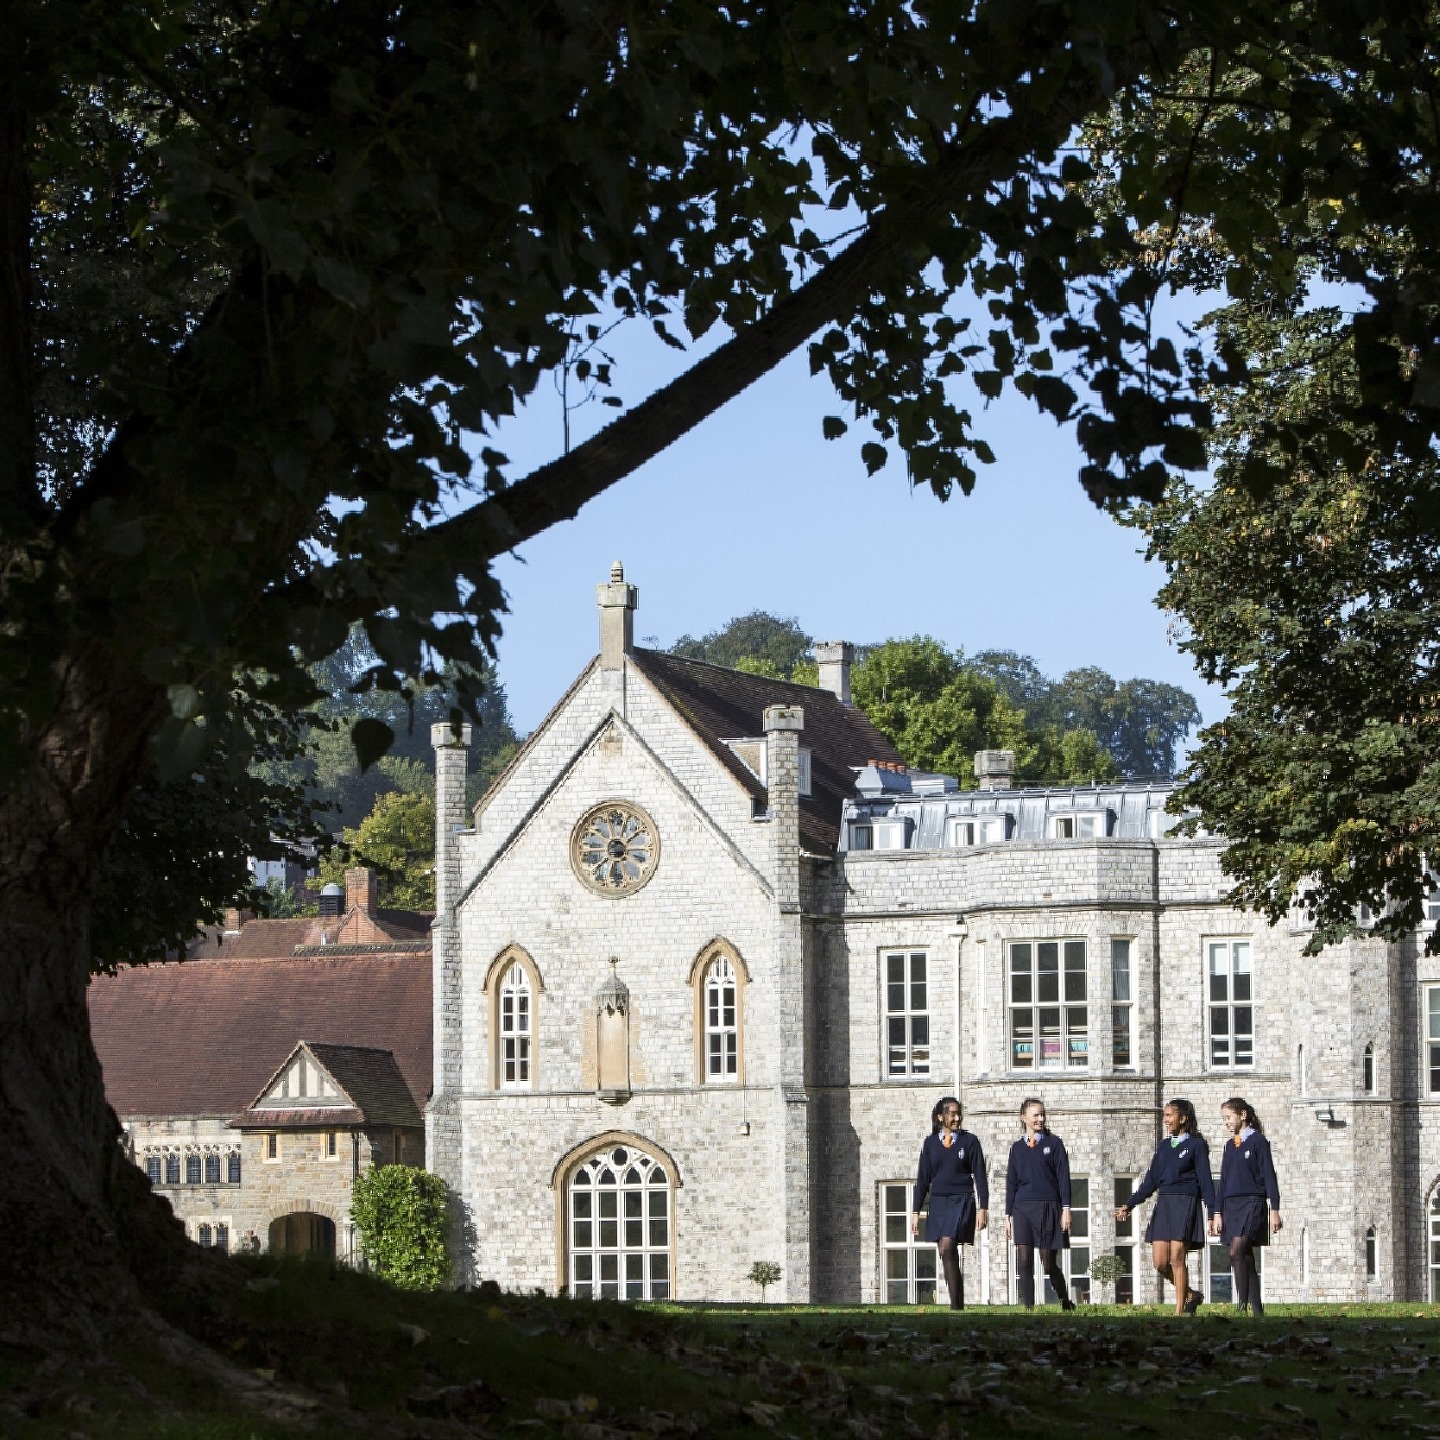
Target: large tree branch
point(558, 490)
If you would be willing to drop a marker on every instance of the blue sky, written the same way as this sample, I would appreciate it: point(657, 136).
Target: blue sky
point(755, 510)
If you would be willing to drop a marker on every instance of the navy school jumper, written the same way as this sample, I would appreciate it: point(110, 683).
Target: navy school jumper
point(955, 1173)
point(1182, 1169)
point(1041, 1172)
point(1248, 1169)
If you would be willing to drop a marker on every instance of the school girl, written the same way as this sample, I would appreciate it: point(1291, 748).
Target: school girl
point(1180, 1171)
point(1247, 1182)
point(952, 1174)
point(1037, 1204)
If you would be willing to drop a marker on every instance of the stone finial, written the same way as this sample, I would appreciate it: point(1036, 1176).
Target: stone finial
point(617, 602)
point(994, 769)
point(833, 659)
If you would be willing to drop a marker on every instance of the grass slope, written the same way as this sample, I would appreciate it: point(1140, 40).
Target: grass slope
point(382, 1363)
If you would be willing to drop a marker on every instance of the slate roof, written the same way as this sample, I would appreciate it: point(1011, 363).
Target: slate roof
point(262, 938)
point(720, 705)
point(201, 1037)
point(371, 1082)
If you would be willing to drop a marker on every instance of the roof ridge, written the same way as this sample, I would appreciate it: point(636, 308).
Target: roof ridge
point(732, 670)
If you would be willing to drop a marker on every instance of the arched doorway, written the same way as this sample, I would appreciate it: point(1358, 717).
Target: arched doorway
point(303, 1233)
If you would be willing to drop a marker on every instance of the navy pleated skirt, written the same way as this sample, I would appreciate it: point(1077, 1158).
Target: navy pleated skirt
point(1245, 1217)
point(952, 1215)
point(1037, 1222)
point(1178, 1217)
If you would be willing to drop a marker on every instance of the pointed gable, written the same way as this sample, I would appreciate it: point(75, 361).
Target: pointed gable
point(722, 705)
point(332, 1086)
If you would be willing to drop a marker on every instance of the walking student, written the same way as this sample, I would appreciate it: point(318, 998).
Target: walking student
point(952, 1174)
point(1037, 1204)
point(1247, 1182)
point(1180, 1171)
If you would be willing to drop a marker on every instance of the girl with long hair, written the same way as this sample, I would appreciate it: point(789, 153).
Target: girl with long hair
point(1247, 1182)
point(1037, 1204)
point(1180, 1171)
point(952, 1174)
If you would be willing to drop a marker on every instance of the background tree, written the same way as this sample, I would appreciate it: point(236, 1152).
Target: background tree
point(397, 840)
point(763, 643)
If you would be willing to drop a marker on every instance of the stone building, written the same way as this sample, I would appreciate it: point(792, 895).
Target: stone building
point(255, 1081)
point(706, 954)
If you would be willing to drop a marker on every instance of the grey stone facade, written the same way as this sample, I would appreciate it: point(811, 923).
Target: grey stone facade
point(791, 1160)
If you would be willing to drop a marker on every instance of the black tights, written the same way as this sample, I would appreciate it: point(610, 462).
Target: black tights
point(1050, 1268)
point(1247, 1277)
point(950, 1264)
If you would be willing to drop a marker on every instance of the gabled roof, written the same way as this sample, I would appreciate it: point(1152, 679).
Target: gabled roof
point(721, 705)
point(199, 1037)
point(355, 1085)
point(264, 938)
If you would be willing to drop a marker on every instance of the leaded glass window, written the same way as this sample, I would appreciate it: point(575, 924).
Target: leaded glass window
point(212, 1169)
point(722, 1022)
point(515, 1030)
point(619, 1227)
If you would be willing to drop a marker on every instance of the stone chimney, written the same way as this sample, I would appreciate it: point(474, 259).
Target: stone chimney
point(617, 618)
point(783, 724)
point(994, 769)
point(361, 891)
point(834, 658)
point(451, 765)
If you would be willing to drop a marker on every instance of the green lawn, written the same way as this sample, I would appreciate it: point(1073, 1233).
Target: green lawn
point(383, 1363)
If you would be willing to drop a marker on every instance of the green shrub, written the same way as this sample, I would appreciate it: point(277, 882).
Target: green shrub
point(401, 1214)
point(1107, 1269)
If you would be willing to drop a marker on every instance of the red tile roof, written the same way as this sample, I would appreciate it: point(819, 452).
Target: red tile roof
point(202, 1037)
point(721, 705)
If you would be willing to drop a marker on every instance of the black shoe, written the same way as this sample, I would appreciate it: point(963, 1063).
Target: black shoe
point(1067, 1305)
point(1193, 1304)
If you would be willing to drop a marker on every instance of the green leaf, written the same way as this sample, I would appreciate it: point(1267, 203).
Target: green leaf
point(372, 740)
point(833, 427)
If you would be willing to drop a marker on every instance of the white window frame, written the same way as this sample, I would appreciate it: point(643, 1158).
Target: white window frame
point(1122, 1008)
point(1126, 1237)
point(920, 1282)
point(1431, 1012)
point(601, 1247)
point(516, 1012)
point(1070, 1027)
point(862, 836)
point(1230, 1004)
point(888, 834)
point(720, 1006)
point(1080, 825)
point(964, 831)
point(1217, 1279)
point(1074, 1261)
point(906, 1036)
point(1433, 1264)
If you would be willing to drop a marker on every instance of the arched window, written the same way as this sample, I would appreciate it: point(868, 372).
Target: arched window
point(192, 1169)
point(1367, 1071)
point(232, 1168)
point(722, 1022)
point(222, 1238)
point(203, 1236)
point(719, 978)
point(515, 1036)
point(618, 1226)
point(1372, 1255)
point(514, 986)
point(212, 1169)
point(172, 1169)
point(1435, 1246)
point(152, 1169)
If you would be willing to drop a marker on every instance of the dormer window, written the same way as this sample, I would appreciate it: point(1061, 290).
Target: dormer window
point(862, 837)
point(1093, 825)
point(979, 830)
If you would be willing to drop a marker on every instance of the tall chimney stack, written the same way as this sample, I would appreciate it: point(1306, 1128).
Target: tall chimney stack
point(617, 618)
point(834, 658)
point(994, 769)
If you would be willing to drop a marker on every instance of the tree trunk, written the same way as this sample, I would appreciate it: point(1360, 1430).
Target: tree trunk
point(78, 1224)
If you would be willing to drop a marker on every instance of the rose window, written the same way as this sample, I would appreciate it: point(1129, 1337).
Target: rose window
point(615, 848)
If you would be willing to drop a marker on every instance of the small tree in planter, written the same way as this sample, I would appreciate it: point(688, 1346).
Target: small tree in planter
point(764, 1273)
point(1107, 1269)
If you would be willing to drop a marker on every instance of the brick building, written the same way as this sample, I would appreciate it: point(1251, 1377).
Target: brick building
point(256, 1080)
point(706, 954)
